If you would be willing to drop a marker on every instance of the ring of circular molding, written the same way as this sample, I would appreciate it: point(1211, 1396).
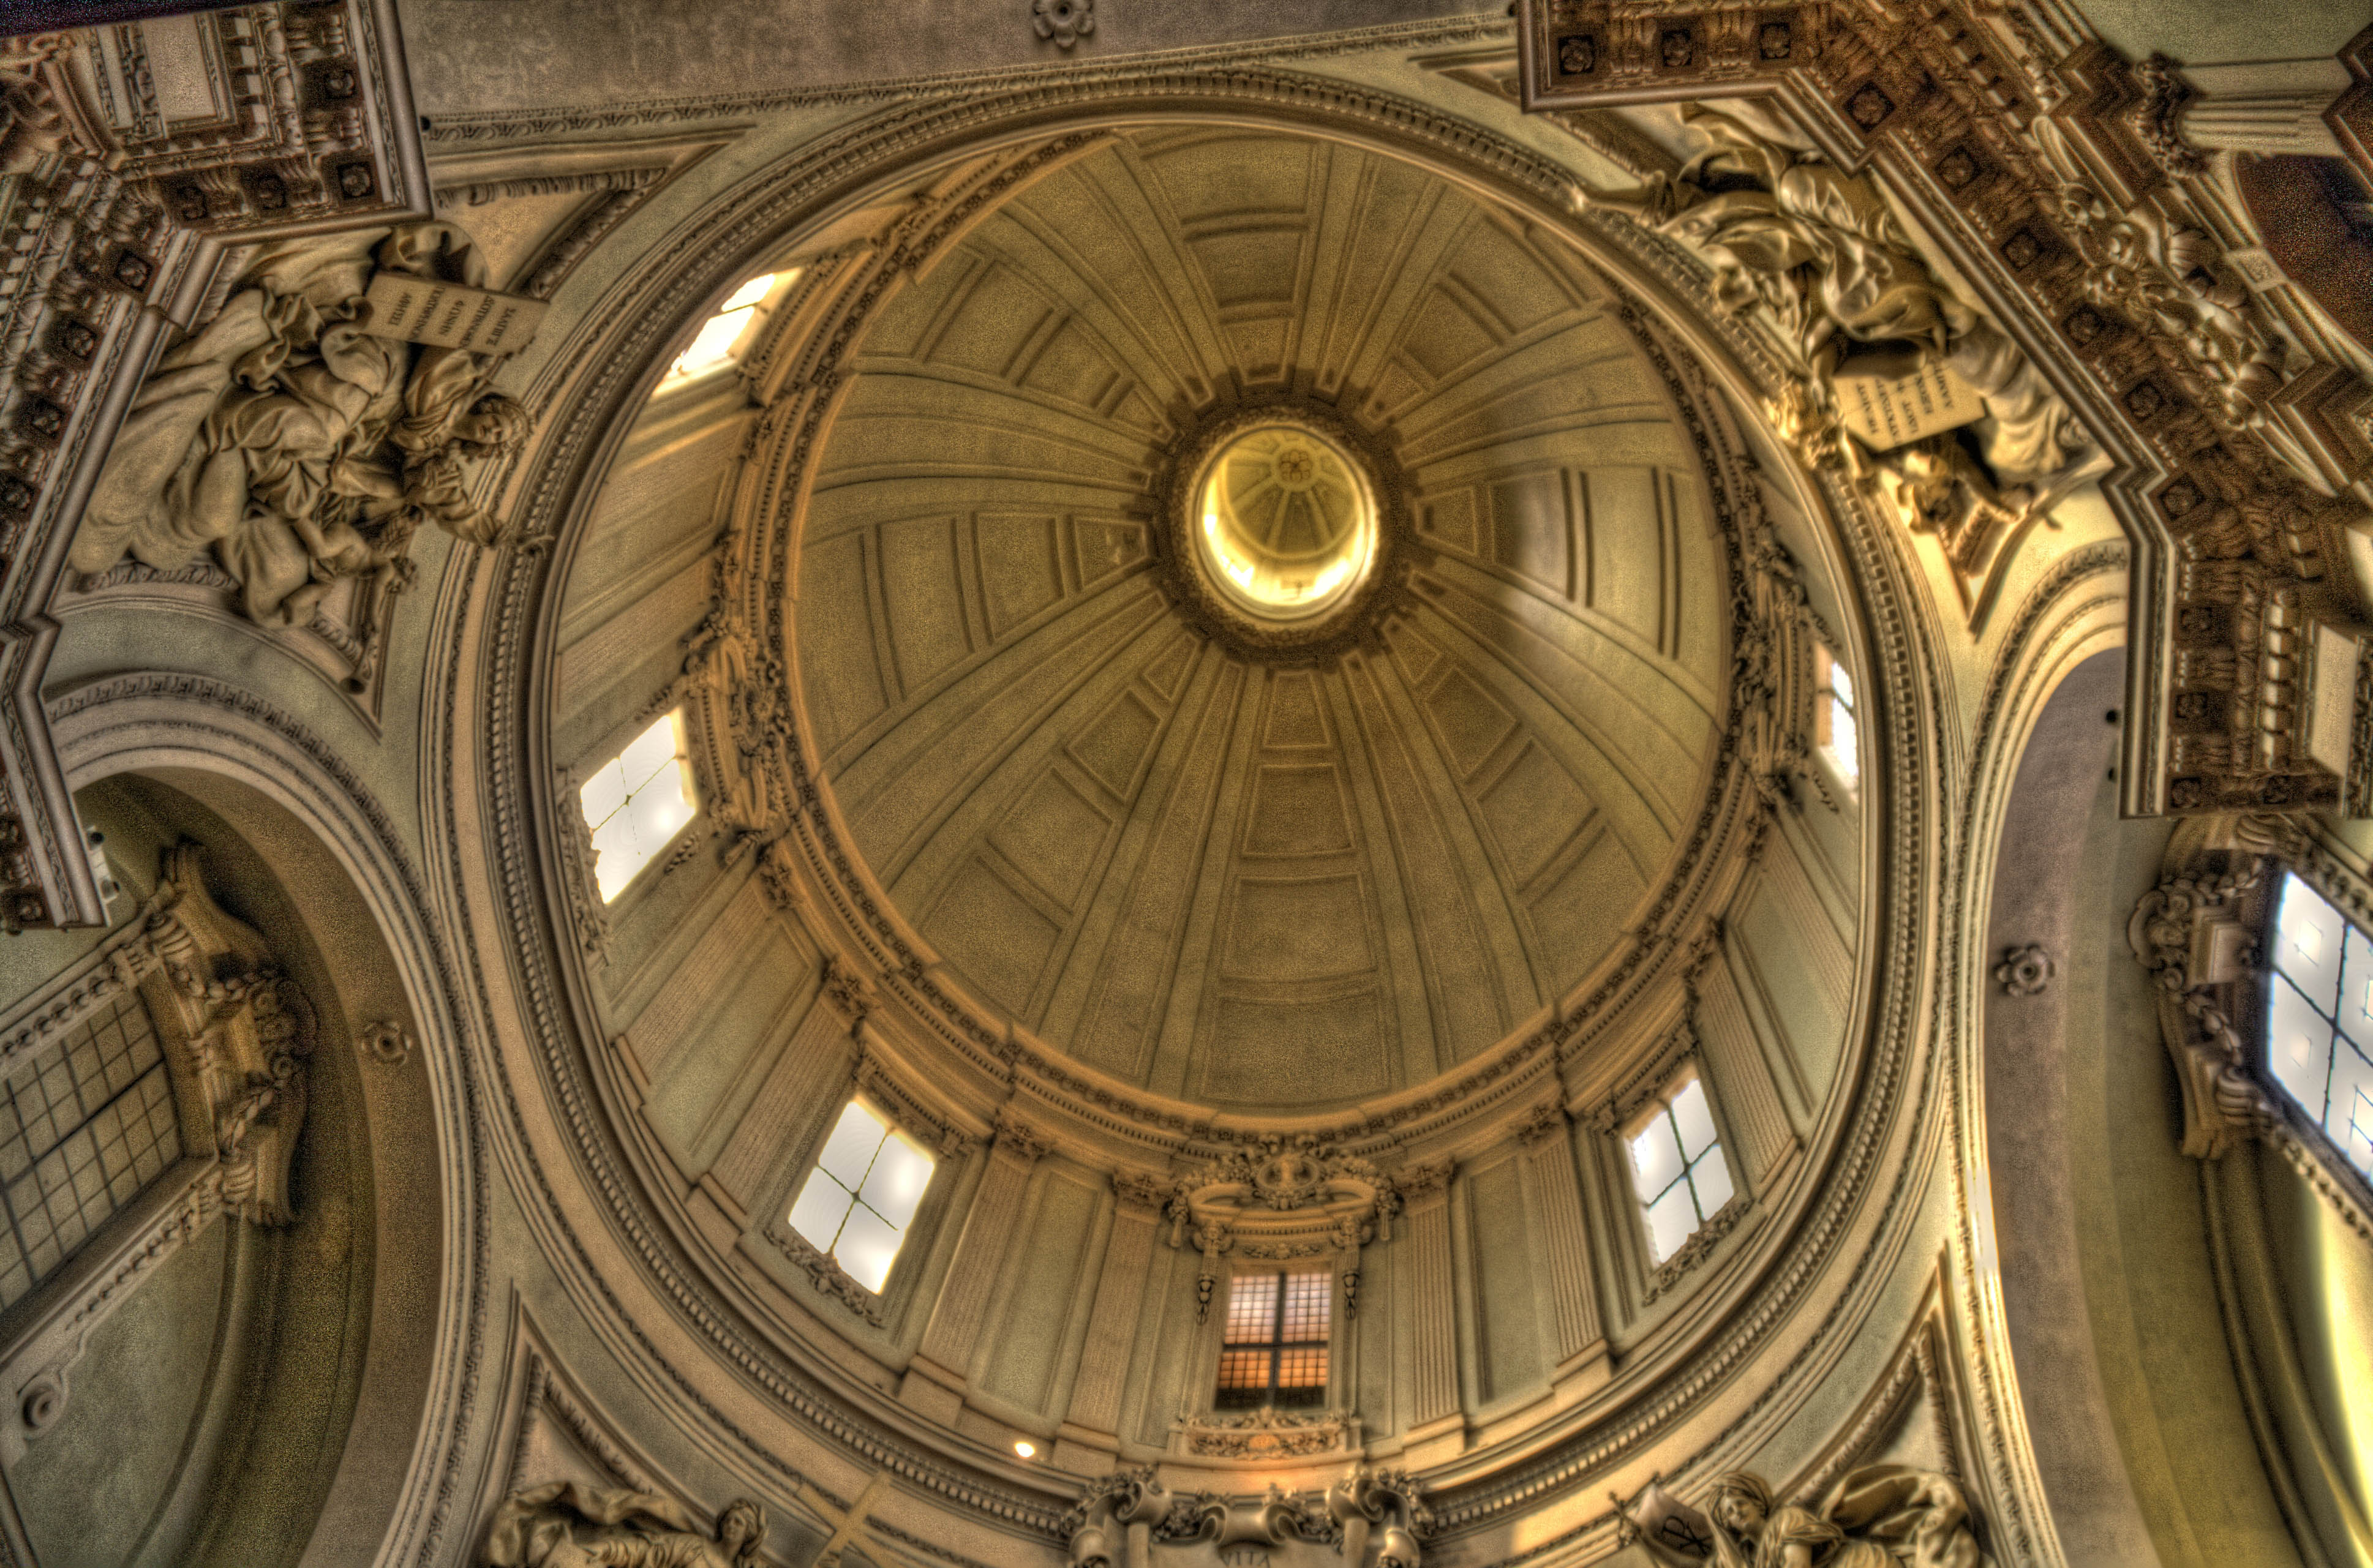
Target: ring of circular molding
point(1346, 621)
point(1851, 1154)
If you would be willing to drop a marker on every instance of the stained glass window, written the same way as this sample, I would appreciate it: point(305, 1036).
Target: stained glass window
point(1678, 1168)
point(636, 801)
point(2319, 1018)
point(862, 1195)
point(1273, 1352)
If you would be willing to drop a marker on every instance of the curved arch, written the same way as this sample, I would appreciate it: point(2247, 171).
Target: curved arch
point(1850, 1199)
point(368, 952)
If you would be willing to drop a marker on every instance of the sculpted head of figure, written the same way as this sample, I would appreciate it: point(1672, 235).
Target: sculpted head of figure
point(496, 425)
point(1741, 1504)
point(741, 1528)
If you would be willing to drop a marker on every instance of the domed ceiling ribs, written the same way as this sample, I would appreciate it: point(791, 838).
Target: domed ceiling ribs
point(1411, 849)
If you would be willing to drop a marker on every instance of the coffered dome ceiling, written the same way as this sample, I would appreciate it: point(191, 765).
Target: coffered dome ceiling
point(1259, 872)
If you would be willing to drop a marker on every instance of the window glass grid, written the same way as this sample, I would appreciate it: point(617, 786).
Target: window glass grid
point(1678, 1170)
point(1274, 1345)
point(2320, 1017)
point(82, 1132)
point(862, 1193)
point(1834, 724)
point(636, 801)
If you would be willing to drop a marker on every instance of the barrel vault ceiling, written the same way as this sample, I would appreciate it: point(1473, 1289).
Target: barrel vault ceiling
point(1258, 885)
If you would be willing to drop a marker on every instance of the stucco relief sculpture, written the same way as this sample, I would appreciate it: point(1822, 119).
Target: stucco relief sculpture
point(567, 1524)
point(1819, 250)
point(250, 1032)
point(1123, 1520)
point(2186, 933)
point(1878, 1517)
point(296, 447)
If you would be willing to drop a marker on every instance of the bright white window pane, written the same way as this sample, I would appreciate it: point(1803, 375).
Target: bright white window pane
point(1843, 741)
point(1711, 1178)
point(2352, 1089)
point(1670, 1221)
point(2307, 941)
point(618, 855)
point(1840, 682)
point(658, 809)
point(2356, 988)
point(2356, 1138)
point(866, 1248)
point(848, 1153)
point(817, 1215)
point(1694, 1117)
point(900, 1171)
point(649, 751)
point(1655, 1157)
point(2298, 1048)
point(603, 794)
point(712, 345)
point(749, 293)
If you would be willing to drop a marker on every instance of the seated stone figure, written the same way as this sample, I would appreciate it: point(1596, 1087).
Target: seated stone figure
point(565, 1525)
point(294, 446)
point(1878, 1517)
point(1819, 248)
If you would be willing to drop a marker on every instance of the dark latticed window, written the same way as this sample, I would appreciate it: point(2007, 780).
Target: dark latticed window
point(1274, 1352)
point(81, 1132)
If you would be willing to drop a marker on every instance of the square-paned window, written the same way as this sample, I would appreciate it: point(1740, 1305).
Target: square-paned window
point(636, 801)
point(1835, 730)
point(2320, 1017)
point(1677, 1169)
point(1273, 1350)
point(862, 1195)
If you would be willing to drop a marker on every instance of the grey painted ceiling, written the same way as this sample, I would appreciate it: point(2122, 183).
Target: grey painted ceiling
point(1258, 886)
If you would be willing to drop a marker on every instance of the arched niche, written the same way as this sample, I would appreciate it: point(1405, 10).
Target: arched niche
point(208, 1381)
point(2112, 1291)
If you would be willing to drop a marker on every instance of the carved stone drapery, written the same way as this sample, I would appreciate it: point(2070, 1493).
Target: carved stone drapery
point(113, 216)
point(563, 1524)
point(1283, 1200)
point(2002, 134)
point(1878, 1517)
point(294, 445)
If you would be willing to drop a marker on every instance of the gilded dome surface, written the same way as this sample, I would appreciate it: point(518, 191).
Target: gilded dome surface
point(1261, 877)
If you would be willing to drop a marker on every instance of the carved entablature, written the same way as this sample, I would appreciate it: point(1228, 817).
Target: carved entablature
point(128, 174)
point(2035, 156)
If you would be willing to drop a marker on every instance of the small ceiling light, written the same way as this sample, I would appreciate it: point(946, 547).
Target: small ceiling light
point(1024, 1448)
